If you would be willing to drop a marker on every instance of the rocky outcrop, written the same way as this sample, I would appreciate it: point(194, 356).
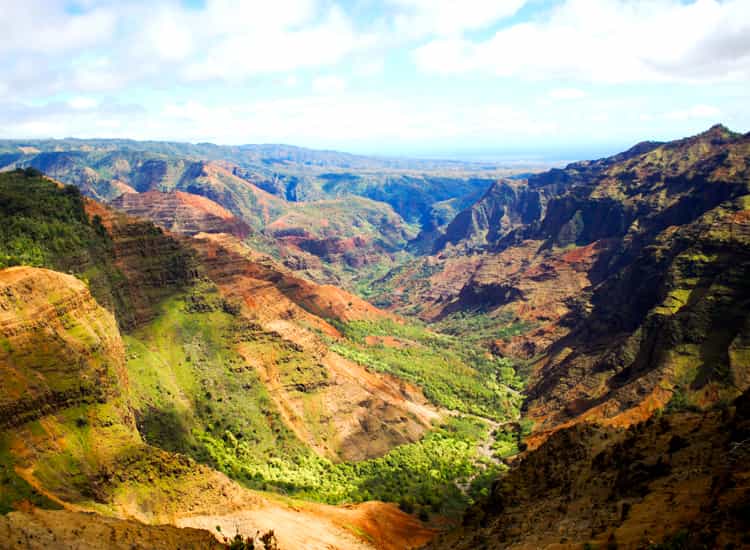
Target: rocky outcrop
point(361, 414)
point(630, 283)
point(145, 265)
point(507, 205)
point(666, 313)
point(673, 323)
point(68, 440)
point(346, 234)
point(680, 480)
point(44, 316)
point(40, 529)
point(181, 213)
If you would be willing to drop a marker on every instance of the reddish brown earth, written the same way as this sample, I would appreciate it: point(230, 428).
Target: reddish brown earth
point(153, 265)
point(323, 301)
point(335, 405)
point(338, 407)
point(630, 277)
point(50, 315)
point(181, 213)
point(69, 432)
point(308, 525)
point(682, 478)
point(37, 529)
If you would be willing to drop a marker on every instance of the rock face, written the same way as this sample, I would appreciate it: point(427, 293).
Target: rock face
point(673, 324)
point(147, 265)
point(507, 205)
point(351, 232)
point(40, 529)
point(681, 479)
point(630, 273)
point(45, 315)
point(225, 257)
point(361, 414)
point(68, 440)
point(181, 213)
point(639, 394)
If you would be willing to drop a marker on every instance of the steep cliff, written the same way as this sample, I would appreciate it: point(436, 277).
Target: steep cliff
point(129, 264)
point(506, 205)
point(146, 265)
point(45, 315)
point(333, 404)
point(40, 529)
point(637, 405)
point(181, 213)
point(627, 284)
point(677, 481)
point(68, 439)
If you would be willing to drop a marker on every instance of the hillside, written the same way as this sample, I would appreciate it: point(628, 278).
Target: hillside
point(561, 360)
point(204, 356)
point(105, 169)
point(626, 296)
point(675, 481)
point(70, 437)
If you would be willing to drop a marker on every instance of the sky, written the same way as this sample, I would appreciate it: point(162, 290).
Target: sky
point(504, 79)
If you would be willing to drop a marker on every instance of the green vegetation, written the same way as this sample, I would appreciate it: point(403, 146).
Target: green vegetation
point(267, 541)
point(419, 476)
point(477, 327)
point(452, 372)
point(680, 402)
point(678, 541)
point(506, 442)
point(13, 488)
point(45, 225)
point(194, 394)
point(191, 389)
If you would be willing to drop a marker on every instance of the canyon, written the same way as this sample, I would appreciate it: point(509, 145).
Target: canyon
point(357, 353)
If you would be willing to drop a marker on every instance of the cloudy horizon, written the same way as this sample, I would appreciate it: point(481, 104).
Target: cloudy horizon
point(406, 77)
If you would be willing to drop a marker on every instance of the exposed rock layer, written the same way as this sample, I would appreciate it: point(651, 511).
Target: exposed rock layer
point(682, 477)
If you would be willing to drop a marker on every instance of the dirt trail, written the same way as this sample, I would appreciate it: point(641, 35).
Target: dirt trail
point(27, 474)
point(319, 526)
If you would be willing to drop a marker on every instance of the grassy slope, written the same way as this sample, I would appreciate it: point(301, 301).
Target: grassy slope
point(453, 373)
point(194, 395)
point(45, 225)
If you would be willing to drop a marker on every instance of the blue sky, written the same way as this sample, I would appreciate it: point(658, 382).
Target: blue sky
point(504, 78)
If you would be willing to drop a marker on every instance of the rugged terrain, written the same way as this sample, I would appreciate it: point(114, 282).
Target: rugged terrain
point(70, 440)
point(168, 359)
point(637, 401)
point(186, 363)
point(627, 275)
point(678, 480)
point(336, 218)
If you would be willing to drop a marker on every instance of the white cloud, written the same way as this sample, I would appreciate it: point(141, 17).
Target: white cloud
point(609, 41)
point(118, 44)
point(39, 26)
point(264, 49)
point(695, 112)
point(167, 36)
point(450, 17)
point(369, 67)
point(82, 103)
point(328, 84)
point(566, 94)
point(339, 121)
